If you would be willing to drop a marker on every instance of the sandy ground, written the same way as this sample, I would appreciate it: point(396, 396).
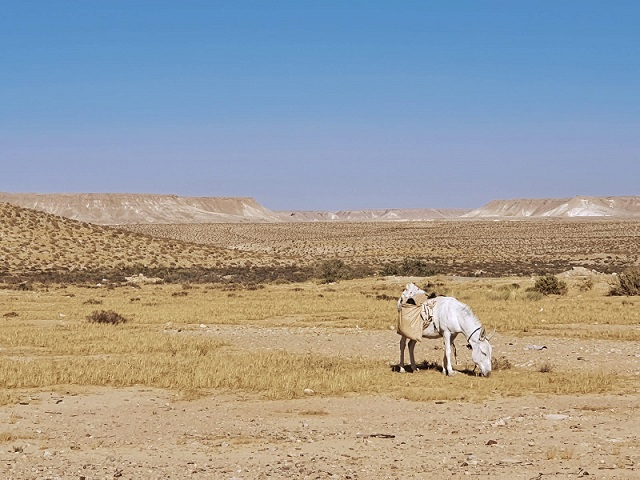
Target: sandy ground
point(141, 433)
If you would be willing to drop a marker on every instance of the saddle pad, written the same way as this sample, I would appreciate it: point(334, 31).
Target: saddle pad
point(414, 318)
point(410, 321)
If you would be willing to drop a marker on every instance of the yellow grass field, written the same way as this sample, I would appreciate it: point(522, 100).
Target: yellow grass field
point(47, 340)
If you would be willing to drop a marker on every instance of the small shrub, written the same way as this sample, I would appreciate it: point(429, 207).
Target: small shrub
point(586, 284)
point(10, 314)
point(106, 316)
point(627, 283)
point(24, 287)
point(550, 285)
point(333, 270)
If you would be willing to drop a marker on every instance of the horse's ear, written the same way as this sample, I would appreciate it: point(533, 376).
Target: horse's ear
point(482, 334)
point(491, 334)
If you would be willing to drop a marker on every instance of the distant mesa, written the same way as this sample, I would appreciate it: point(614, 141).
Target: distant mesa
point(123, 209)
point(578, 206)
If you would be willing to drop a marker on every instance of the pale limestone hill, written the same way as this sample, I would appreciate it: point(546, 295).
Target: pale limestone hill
point(122, 209)
point(578, 206)
point(129, 209)
point(377, 215)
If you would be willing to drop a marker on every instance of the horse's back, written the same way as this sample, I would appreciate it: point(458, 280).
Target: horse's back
point(450, 313)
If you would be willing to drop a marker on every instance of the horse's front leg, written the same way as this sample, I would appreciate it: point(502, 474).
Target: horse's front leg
point(447, 369)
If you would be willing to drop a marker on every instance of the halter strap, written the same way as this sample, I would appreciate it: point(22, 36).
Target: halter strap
point(472, 333)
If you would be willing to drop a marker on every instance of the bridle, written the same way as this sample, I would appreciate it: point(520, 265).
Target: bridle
point(472, 334)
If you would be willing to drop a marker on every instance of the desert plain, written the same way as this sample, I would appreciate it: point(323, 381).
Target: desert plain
point(252, 351)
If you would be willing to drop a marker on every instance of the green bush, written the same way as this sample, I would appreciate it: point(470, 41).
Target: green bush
point(550, 285)
point(627, 283)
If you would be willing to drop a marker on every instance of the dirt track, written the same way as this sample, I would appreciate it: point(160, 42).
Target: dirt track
point(143, 433)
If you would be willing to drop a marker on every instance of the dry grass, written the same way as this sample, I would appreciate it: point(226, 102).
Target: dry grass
point(182, 366)
point(367, 303)
point(34, 241)
point(51, 343)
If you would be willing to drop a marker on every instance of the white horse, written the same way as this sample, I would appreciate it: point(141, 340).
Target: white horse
point(449, 317)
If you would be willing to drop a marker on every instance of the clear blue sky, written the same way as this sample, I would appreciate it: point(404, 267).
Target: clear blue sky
point(322, 105)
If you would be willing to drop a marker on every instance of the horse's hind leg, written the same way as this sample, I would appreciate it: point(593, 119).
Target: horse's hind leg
point(403, 343)
point(412, 357)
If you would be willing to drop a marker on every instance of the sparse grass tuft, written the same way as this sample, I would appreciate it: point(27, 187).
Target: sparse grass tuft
point(92, 301)
point(564, 453)
point(7, 437)
point(546, 367)
point(533, 296)
point(313, 413)
point(501, 294)
point(501, 363)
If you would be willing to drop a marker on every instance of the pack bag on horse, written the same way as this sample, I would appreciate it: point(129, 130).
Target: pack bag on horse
point(422, 317)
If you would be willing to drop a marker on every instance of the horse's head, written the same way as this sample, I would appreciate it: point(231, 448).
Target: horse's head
point(481, 352)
